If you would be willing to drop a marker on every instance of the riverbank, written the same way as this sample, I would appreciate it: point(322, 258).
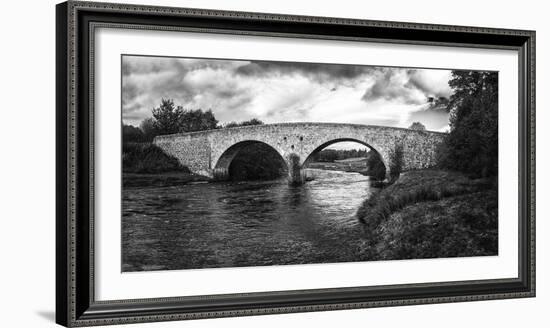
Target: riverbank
point(146, 165)
point(432, 213)
point(146, 158)
point(357, 165)
point(165, 179)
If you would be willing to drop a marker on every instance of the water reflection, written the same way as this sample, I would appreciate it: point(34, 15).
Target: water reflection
point(244, 223)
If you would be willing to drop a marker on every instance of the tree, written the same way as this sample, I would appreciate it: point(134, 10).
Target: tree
point(253, 121)
point(417, 126)
point(326, 155)
point(147, 126)
point(197, 120)
point(472, 143)
point(131, 134)
point(331, 155)
point(167, 117)
point(231, 125)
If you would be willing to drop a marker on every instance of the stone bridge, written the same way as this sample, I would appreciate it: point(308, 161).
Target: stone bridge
point(210, 152)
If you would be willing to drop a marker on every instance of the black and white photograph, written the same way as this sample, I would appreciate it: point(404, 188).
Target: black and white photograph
point(267, 164)
point(237, 163)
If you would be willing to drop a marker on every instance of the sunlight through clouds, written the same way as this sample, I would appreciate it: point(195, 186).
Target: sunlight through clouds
point(285, 92)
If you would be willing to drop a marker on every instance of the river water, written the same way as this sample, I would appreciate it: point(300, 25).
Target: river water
point(244, 223)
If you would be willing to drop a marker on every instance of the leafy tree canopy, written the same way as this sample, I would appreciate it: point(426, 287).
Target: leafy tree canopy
point(472, 143)
point(253, 121)
point(148, 128)
point(417, 126)
point(132, 134)
point(169, 118)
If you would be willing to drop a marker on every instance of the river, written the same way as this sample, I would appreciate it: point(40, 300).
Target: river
point(248, 223)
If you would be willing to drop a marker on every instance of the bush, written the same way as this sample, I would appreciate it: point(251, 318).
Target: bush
point(396, 161)
point(253, 121)
point(417, 126)
point(147, 126)
point(148, 158)
point(132, 134)
point(294, 163)
point(375, 167)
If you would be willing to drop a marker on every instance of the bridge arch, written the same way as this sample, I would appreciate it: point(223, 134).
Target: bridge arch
point(310, 156)
point(222, 167)
point(210, 152)
point(337, 140)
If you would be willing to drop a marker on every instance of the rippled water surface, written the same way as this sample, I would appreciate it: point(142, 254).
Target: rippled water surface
point(244, 223)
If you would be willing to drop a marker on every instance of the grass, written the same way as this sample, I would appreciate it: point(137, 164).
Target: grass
point(148, 158)
point(417, 186)
point(464, 225)
point(146, 165)
point(432, 213)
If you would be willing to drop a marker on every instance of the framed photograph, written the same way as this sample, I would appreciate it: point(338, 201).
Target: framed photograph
point(214, 163)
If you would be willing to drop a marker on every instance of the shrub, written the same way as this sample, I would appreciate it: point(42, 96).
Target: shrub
point(148, 158)
point(375, 167)
point(417, 126)
point(132, 134)
point(396, 161)
point(294, 161)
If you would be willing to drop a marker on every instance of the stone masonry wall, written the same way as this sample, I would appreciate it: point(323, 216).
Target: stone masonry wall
point(191, 150)
point(419, 148)
point(211, 151)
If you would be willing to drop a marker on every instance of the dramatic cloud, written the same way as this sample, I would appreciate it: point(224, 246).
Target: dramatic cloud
point(410, 86)
point(285, 92)
point(320, 73)
point(433, 83)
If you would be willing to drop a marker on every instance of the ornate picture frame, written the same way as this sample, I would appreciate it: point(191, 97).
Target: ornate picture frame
point(76, 304)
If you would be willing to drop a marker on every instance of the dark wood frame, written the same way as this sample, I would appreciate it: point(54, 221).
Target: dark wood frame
point(75, 303)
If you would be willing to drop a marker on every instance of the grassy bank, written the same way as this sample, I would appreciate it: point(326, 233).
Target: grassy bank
point(138, 157)
point(144, 164)
point(161, 179)
point(432, 213)
point(351, 165)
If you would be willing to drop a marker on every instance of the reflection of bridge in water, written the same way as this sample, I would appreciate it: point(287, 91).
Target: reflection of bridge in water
point(210, 152)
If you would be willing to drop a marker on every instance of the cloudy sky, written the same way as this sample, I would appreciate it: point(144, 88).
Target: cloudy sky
point(275, 92)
